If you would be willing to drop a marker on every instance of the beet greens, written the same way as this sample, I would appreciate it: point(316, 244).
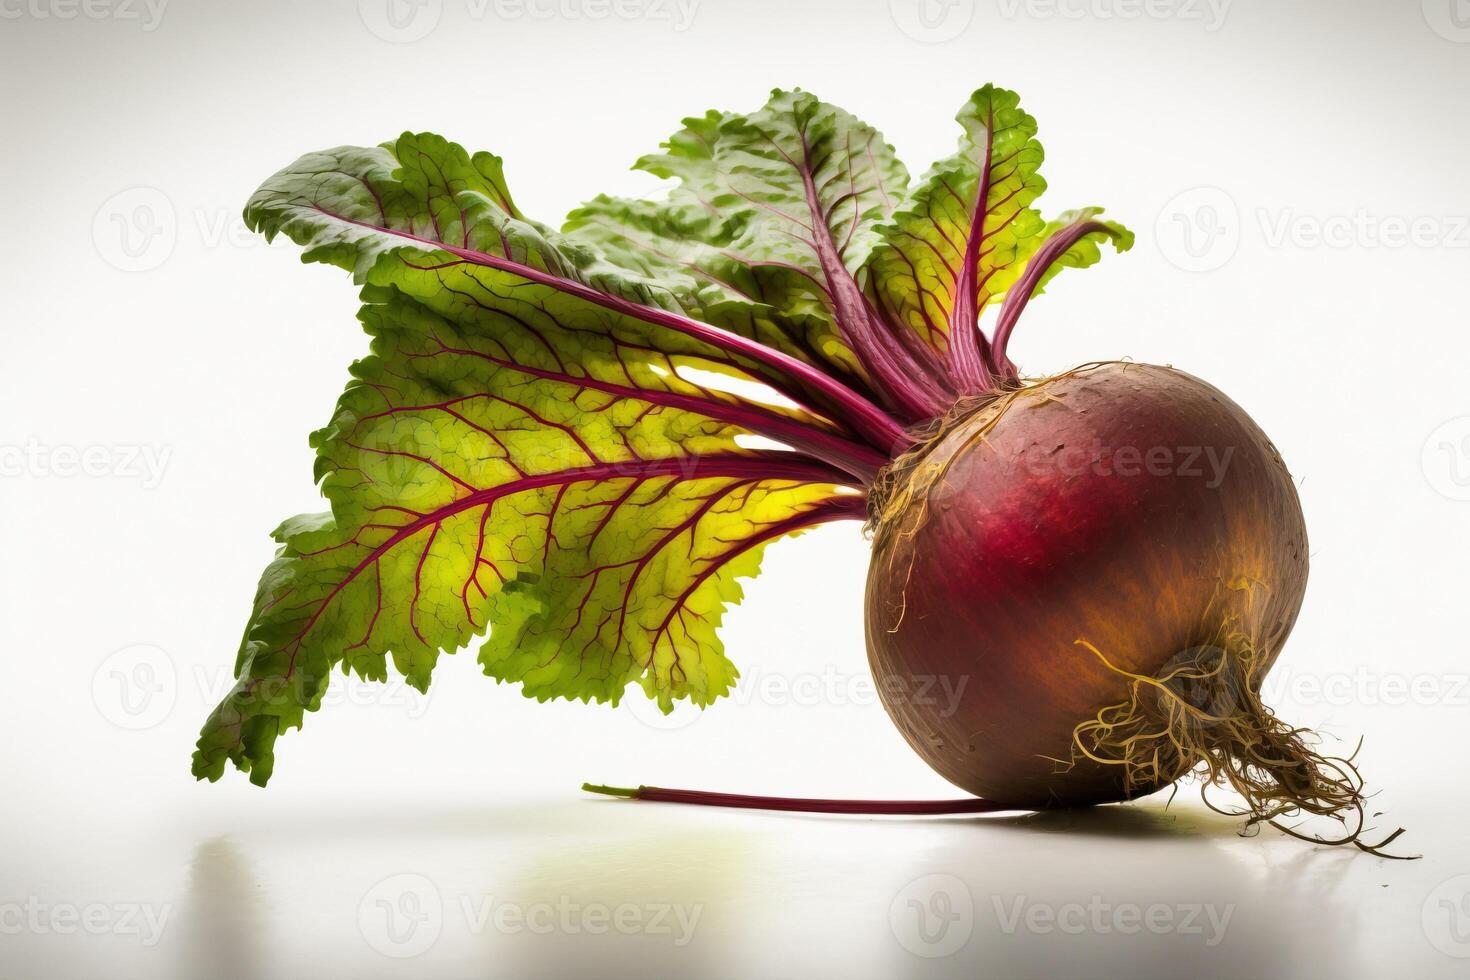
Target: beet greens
point(536, 447)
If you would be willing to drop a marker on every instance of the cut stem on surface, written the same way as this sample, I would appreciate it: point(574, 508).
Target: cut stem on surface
point(659, 794)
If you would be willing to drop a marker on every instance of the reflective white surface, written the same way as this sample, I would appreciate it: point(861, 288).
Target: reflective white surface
point(398, 824)
point(589, 888)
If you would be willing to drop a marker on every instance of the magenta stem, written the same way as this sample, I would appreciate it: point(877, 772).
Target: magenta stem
point(967, 358)
point(1020, 294)
point(881, 430)
point(908, 385)
point(658, 794)
point(856, 458)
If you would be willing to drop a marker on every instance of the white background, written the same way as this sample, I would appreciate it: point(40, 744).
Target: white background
point(1250, 126)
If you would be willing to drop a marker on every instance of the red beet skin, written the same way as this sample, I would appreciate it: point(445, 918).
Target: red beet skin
point(1132, 506)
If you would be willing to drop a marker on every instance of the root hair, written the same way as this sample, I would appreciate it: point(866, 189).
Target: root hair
point(1202, 713)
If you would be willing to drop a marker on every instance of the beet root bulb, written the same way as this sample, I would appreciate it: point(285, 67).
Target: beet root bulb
point(1078, 587)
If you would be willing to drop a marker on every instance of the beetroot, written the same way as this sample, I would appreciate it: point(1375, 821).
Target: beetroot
point(1119, 521)
point(1102, 565)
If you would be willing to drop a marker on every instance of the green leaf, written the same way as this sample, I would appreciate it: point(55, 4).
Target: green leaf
point(529, 455)
point(1071, 241)
point(596, 525)
point(1086, 251)
point(513, 456)
point(960, 237)
point(681, 245)
point(776, 207)
point(368, 209)
point(425, 216)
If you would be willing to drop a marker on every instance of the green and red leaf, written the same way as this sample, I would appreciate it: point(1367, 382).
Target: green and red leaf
point(534, 456)
point(513, 457)
point(783, 206)
point(963, 236)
